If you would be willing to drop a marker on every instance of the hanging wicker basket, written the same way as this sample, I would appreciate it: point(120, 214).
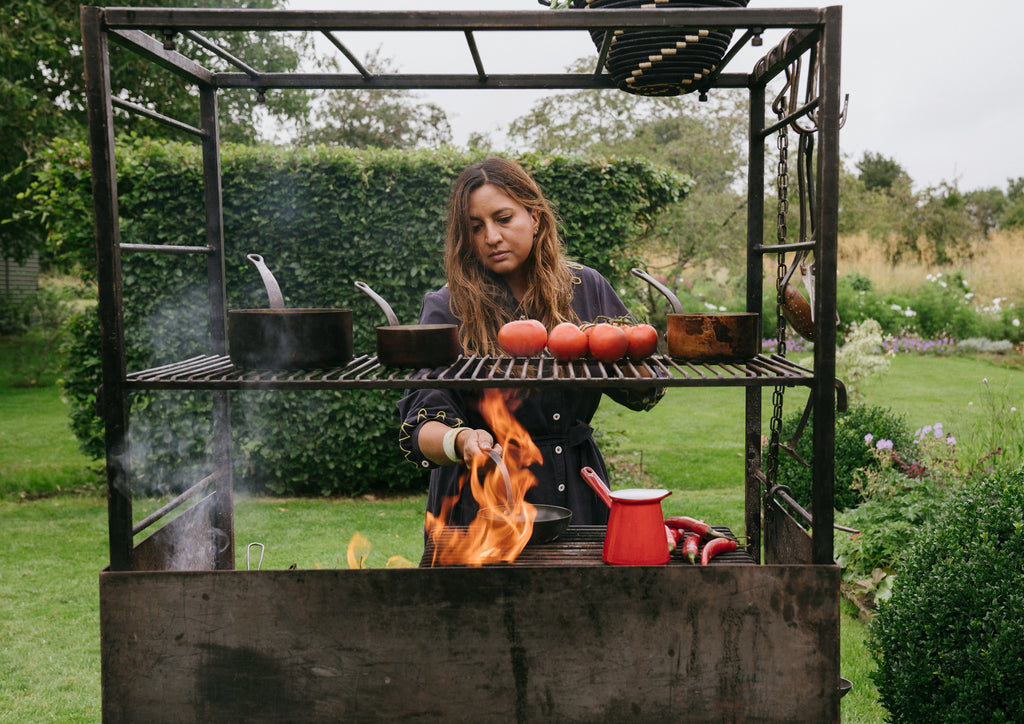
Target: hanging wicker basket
point(662, 62)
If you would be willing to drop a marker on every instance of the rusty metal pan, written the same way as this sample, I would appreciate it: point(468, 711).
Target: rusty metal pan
point(718, 337)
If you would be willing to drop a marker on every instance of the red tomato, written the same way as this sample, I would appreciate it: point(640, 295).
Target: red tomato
point(608, 342)
point(643, 341)
point(523, 337)
point(567, 342)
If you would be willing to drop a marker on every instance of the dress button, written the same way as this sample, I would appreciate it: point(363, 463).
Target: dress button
point(561, 487)
point(425, 463)
point(556, 416)
point(558, 449)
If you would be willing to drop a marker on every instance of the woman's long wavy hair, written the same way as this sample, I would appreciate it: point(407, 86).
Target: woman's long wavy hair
point(480, 298)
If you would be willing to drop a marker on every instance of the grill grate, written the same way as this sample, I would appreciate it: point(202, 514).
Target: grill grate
point(215, 372)
point(581, 545)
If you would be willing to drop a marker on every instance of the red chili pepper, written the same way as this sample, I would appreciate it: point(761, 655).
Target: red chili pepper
point(716, 546)
point(690, 546)
point(670, 535)
point(692, 525)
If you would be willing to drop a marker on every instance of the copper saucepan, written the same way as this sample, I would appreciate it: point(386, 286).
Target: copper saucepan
point(412, 345)
point(281, 338)
point(716, 337)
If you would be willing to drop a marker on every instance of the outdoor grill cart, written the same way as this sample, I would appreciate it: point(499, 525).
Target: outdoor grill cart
point(557, 635)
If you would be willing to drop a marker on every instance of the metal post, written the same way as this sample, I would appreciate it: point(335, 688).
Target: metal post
point(755, 283)
point(826, 253)
point(113, 396)
point(221, 416)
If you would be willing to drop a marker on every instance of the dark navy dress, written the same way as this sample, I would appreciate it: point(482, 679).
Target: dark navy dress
point(557, 419)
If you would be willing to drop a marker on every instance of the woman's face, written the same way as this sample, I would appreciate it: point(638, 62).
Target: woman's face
point(503, 233)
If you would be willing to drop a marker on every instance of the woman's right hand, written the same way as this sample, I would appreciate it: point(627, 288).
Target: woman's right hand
point(471, 443)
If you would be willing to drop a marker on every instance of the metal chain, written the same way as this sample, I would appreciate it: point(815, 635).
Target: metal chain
point(782, 188)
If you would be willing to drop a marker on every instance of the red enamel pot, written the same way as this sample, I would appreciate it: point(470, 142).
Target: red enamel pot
point(636, 524)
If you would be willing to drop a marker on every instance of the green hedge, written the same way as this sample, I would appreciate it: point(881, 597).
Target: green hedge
point(322, 218)
point(948, 642)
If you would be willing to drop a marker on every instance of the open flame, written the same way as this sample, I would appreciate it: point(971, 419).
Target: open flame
point(503, 528)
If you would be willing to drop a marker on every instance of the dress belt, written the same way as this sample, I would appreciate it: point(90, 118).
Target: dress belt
point(578, 434)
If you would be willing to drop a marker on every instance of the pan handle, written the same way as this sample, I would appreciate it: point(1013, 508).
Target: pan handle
point(388, 312)
point(273, 290)
point(677, 308)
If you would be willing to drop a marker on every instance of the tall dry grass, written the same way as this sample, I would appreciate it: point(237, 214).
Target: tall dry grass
point(993, 267)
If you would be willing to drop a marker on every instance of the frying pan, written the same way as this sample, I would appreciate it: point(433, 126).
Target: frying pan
point(280, 338)
point(551, 520)
point(412, 345)
point(722, 337)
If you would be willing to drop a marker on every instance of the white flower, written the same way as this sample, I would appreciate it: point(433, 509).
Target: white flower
point(969, 295)
point(910, 313)
point(1015, 322)
point(896, 308)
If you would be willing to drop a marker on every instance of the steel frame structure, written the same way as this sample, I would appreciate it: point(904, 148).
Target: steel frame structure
point(150, 32)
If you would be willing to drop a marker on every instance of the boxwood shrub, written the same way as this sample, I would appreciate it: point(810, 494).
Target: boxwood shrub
point(948, 643)
point(322, 218)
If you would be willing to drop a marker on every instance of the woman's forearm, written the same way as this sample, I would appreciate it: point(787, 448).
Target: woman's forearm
point(465, 444)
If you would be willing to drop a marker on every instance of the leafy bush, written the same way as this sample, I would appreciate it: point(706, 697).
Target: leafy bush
point(980, 345)
point(899, 507)
point(852, 453)
point(948, 642)
point(323, 218)
point(862, 355)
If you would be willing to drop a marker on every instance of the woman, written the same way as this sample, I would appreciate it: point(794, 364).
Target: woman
point(504, 261)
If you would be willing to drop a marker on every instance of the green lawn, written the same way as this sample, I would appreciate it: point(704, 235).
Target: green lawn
point(40, 453)
point(54, 547)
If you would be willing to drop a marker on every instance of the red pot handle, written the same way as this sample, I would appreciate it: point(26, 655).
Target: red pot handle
point(597, 485)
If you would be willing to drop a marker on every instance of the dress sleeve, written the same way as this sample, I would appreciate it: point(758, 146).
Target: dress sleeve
point(423, 405)
point(595, 298)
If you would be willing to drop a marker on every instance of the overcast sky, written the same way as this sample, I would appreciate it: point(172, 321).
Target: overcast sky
point(934, 84)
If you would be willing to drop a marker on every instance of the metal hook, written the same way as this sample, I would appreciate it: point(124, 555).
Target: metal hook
point(780, 104)
point(249, 548)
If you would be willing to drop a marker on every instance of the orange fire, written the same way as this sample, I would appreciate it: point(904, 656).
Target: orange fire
point(500, 533)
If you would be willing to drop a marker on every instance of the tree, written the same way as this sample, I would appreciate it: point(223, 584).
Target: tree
point(375, 119)
point(42, 91)
point(1011, 216)
point(879, 173)
point(985, 206)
